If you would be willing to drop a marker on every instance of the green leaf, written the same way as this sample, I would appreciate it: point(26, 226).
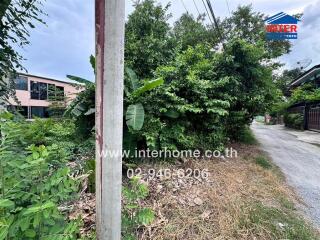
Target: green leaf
point(149, 85)
point(135, 116)
point(24, 223)
point(3, 232)
point(30, 233)
point(171, 114)
point(37, 209)
point(145, 216)
point(133, 79)
point(6, 203)
point(36, 220)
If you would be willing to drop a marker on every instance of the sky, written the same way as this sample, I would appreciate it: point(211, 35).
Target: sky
point(64, 44)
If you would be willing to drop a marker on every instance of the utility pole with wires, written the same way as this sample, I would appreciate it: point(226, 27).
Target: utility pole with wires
point(110, 22)
point(205, 6)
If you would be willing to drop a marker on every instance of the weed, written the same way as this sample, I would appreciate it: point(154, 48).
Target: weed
point(246, 136)
point(276, 223)
point(263, 162)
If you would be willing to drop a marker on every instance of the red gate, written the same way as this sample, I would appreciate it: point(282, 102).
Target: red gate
point(314, 118)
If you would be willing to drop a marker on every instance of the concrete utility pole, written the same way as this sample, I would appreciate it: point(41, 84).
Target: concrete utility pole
point(110, 20)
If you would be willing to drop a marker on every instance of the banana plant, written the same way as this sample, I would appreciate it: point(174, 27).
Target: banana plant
point(82, 108)
point(135, 112)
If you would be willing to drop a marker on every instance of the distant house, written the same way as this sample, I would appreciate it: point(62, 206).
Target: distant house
point(309, 110)
point(34, 94)
point(311, 76)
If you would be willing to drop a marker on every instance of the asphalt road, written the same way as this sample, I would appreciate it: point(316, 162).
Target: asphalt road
point(298, 160)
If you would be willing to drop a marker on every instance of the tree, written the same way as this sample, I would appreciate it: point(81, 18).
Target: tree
point(250, 83)
point(283, 80)
point(249, 25)
point(147, 43)
point(16, 19)
point(189, 31)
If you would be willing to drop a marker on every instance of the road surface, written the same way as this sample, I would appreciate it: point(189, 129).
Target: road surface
point(298, 160)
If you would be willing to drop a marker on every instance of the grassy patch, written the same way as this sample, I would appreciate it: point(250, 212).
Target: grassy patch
point(286, 203)
point(276, 223)
point(247, 137)
point(263, 162)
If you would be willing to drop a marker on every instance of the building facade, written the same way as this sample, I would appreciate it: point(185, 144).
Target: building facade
point(35, 95)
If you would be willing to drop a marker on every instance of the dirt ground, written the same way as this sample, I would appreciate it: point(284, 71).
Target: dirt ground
point(240, 199)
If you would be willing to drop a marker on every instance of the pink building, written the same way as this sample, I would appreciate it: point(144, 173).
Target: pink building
point(33, 93)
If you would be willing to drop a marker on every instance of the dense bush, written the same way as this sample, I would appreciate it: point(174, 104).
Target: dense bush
point(34, 183)
point(188, 111)
point(208, 97)
point(294, 120)
point(305, 93)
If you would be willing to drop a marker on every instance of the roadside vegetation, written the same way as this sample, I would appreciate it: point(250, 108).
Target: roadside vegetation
point(184, 90)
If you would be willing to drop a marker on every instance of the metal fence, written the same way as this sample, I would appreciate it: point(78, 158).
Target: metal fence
point(313, 119)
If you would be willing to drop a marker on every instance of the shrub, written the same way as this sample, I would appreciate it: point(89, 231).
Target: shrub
point(294, 120)
point(133, 215)
point(188, 111)
point(33, 185)
point(246, 136)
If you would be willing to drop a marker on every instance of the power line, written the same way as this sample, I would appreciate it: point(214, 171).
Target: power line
point(227, 2)
point(184, 6)
point(196, 7)
point(215, 20)
point(205, 6)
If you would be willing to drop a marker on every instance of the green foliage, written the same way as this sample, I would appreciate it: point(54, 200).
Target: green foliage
point(82, 108)
point(135, 116)
point(277, 223)
point(135, 111)
point(246, 136)
point(263, 162)
point(133, 215)
point(294, 120)
point(187, 112)
point(189, 32)
point(201, 98)
point(33, 185)
point(305, 93)
point(250, 88)
point(285, 78)
point(249, 26)
point(90, 168)
point(16, 18)
point(147, 41)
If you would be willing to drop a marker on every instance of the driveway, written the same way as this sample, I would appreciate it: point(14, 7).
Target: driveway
point(298, 160)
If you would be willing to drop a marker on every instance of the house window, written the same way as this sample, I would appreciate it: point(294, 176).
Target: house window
point(43, 91)
point(34, 90)
point(41, 112)
point(39, 91)
point(51, 92)
point(21, 83)
point(60, 93)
